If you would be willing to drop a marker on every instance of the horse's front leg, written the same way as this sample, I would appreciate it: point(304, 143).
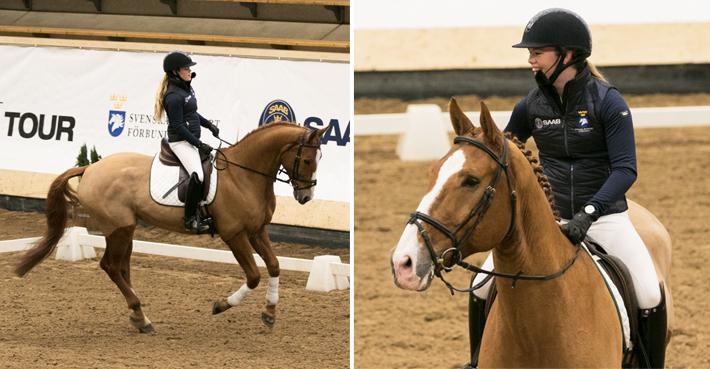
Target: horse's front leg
point(262, 245)
point(241, 248)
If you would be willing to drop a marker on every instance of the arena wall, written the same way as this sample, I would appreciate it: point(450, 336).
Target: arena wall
point(417, 63)
point(77, 85)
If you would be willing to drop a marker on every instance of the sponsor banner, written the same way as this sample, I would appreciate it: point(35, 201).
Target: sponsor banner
point(54, 100)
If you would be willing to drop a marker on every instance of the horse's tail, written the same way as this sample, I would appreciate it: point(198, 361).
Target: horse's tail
point(58, 199)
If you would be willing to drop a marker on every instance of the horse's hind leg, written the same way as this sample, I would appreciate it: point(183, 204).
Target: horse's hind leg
point(262, 245)
point(241, 249)
point(116, 263)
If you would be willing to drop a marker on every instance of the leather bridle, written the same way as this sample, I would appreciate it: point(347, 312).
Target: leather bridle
point(292, 178)
point(476, 216)
point(302, 142)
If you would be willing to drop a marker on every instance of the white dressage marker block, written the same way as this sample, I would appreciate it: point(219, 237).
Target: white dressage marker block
point(69, 248)
point(425, 135)
point(321, 277)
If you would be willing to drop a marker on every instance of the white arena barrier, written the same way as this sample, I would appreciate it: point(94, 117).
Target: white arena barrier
point(422, 126)
point(424, 137)
point(326, 272)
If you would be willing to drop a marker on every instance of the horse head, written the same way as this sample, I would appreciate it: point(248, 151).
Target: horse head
point(300, 161)
point(460, 214)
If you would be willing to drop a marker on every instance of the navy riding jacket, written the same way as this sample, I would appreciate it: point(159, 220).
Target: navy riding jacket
point(586, 142)
point(180, 104)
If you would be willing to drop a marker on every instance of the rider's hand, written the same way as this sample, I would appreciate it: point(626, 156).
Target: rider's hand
point(577, 227)
point(214, 129)
point(205, 148)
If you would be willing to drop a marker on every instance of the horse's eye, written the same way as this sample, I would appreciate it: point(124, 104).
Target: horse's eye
point(469, 181)
point(307, 162)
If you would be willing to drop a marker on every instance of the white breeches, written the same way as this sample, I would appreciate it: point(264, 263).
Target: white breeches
point(189, 157)
point(619, 238)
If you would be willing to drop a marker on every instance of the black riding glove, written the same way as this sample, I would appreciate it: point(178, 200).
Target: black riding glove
point(214, 129)
point(577, 227)
point(205, 148)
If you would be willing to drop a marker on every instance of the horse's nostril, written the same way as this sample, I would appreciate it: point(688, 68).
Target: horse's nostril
point(408, 262)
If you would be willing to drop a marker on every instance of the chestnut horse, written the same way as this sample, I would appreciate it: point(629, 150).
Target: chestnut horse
point(114, 191)
point(485, 194)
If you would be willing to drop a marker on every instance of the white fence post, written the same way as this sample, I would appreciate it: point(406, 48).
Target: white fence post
point(322, 277)
point(69, 248)
point(425, 136)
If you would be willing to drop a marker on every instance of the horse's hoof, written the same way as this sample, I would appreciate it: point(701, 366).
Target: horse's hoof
point(220, 306)
point(269, 320)
point(147, 329)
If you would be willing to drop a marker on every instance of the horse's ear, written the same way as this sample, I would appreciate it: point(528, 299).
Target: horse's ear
point(318, 133)
point(459, 120)
point(491, 132)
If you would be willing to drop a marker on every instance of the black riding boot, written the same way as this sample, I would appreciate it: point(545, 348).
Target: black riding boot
point(193, 223)
point(476, 323)
point(653, 326)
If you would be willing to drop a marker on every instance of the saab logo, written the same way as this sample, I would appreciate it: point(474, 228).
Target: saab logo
point(30, 125)
point(539, 122)
point(335, 133)
point(277, 111)
point(116, 122)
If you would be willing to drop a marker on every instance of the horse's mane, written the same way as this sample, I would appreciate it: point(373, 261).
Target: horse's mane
point(537, 169)
point(268, 126)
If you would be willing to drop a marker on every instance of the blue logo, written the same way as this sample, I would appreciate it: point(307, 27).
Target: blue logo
point(277, 111)
point(116, 122)
point(583, 122)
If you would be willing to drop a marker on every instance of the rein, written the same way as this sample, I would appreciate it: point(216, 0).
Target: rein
point(476, 214)
point(302, 142)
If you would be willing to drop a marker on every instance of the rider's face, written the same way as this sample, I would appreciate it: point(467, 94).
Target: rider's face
point(185, 73)
point(544, 59)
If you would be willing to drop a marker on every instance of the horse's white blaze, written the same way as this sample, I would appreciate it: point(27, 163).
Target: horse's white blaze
point(451, 166)
point(409, 245)
point(318, 156)
point(238, 296)
point(272, 291)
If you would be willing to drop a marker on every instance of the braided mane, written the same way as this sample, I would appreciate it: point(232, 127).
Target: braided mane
point(537, 169)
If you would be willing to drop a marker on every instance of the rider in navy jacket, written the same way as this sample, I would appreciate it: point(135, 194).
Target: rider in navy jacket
point(177, 98)
point(584, 133)
point(180, 105)
point(589, 159)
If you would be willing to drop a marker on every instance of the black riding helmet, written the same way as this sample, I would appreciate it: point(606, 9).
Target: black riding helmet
point(176, 60)
point(562, 29)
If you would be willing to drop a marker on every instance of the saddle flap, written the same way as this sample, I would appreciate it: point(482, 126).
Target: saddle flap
point(620, 276)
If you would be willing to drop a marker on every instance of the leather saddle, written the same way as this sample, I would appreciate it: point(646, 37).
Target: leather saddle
point(168, 158)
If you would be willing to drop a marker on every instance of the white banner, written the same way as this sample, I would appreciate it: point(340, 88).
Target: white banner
point(54, 100)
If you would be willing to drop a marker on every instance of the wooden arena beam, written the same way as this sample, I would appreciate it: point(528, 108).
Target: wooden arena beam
point(342, 46)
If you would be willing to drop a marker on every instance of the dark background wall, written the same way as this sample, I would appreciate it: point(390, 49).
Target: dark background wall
point(675, 79)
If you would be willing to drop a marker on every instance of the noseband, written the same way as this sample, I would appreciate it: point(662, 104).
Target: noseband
point(476, 215)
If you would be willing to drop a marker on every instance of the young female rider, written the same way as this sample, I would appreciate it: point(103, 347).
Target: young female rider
point(584, 132)
point(177, 98)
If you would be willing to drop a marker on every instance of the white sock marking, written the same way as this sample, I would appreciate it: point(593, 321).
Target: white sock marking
point(238, 296)
point(272, 291)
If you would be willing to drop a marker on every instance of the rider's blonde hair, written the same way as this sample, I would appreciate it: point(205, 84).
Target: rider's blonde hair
point(595, 72)
point(159, 95)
